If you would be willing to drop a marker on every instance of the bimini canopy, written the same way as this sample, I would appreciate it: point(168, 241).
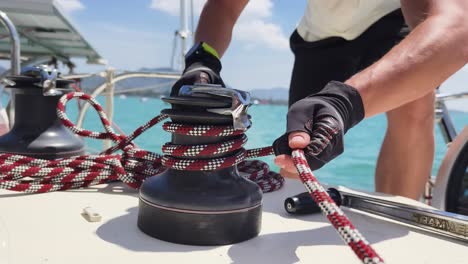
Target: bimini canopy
point(45, 31)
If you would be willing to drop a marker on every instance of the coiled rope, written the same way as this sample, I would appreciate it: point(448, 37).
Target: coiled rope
point(27, 174)
point(134, 165)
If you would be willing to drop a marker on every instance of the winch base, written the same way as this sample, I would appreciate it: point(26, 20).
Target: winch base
point(202, 228)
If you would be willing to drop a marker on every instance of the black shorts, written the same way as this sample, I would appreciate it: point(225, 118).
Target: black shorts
point(317, 63)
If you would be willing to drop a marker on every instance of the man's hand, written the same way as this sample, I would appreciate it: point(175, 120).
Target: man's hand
point(297, 140)
point(202, 65)
point(317, 124)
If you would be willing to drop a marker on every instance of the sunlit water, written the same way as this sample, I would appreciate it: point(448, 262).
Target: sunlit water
point(355, 168)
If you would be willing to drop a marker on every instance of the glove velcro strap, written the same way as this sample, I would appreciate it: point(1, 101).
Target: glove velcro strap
point(346, 100)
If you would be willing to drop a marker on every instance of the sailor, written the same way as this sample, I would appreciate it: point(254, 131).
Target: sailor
point(352, 60)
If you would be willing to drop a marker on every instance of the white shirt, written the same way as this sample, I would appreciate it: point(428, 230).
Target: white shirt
point(342, 18)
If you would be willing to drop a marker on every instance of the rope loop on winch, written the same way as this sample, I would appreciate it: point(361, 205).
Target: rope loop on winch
point(134, 165)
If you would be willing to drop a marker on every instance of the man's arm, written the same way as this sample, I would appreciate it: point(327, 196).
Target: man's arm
point(217, 21)
point(202, 64)
point(435, 49)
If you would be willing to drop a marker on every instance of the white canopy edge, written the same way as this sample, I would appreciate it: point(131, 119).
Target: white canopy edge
point(45, 31)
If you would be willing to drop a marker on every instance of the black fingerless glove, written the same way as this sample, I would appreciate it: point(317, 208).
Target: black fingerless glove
point(326, 117)
point(201, 66)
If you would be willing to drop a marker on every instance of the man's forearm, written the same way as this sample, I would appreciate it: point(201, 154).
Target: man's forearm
point(217, 21)
point(431, 53)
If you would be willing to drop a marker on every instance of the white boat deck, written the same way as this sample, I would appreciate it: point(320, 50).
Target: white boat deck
point(49, 228)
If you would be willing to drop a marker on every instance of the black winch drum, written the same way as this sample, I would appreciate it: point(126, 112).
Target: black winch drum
point(37, 131)
point(200, 207)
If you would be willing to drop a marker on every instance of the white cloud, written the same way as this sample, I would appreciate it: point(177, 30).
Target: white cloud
point(70, 5)
point(258, 9)
point(260, 33)
point(148, 48)
point(253, 28)
point(172, 6)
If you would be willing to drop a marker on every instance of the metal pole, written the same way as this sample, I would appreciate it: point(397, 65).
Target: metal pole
point(184, 31)
point(446, 125)
point(15, 43)
point(192, 21)
point(15, 60)
point(118, 78)
point(109, 101)
point(442, 116)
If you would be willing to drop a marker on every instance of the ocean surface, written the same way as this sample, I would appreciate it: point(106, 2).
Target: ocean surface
point(354, 168)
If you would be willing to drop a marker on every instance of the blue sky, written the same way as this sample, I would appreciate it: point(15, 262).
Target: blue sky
point(139, 33)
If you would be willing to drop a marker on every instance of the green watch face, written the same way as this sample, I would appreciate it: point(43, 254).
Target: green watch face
point(210, 50)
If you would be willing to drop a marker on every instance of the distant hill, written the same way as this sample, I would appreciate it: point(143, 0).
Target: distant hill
point(151, 87)
point(277, 95)
point(158, 87)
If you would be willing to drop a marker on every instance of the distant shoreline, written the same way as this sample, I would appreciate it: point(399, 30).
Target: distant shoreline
point(159, 96)
point(260, 101)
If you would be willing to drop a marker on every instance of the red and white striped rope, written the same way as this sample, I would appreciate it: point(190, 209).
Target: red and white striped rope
point(206, 149)
point(351, 236)
point(27, 174)
point(255, 170)
point(201, 130)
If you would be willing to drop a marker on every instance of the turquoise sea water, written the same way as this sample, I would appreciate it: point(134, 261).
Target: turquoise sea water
point(354, 169)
